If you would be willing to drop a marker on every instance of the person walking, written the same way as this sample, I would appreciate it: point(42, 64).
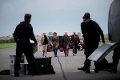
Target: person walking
point(75, 42)
point(22, 35)
point(55, 43)
point(65, 44)
point(44, 42)
point(91, 32)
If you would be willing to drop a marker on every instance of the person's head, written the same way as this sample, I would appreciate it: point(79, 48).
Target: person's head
point(65, 33)
point(44, 33)
point(54, 34)
point(87, 15)
point(27, 17)
point(83, 18)
point(74, 33)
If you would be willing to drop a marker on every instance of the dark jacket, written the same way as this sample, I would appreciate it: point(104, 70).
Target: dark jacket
point(23, 33)
point(91, 31)
point(65, 40)
point(75, 40)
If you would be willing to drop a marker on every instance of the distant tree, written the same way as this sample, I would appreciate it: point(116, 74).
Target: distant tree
point(79, 34)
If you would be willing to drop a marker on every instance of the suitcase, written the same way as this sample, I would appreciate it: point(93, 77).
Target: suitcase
point(44, 65)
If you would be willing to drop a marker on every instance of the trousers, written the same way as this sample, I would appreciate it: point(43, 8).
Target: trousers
point(90, 46)
point(27, 49)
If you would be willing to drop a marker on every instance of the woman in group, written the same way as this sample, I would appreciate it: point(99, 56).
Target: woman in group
point(44, 42)
point(65, 44)
point(55, 43)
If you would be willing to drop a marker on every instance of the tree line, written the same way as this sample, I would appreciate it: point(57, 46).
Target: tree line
point(11, 40)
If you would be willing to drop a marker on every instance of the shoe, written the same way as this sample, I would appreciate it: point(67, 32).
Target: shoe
point(87, 71)
point(96, 71)
point(55, 55)
point(82, 68)
point(43, 55)
point(73, 54)
point(53, 72)
point(36, 73)
point(16, 74)
point(65, 55)
point(113, 70)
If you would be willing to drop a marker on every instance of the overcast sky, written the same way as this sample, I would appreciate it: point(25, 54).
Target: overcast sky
point(52, 15)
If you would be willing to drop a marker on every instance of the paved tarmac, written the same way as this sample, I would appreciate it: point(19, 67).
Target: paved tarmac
point(65, 67)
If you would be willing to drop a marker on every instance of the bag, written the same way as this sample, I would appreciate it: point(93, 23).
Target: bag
point(61, 49)
point(48, 48)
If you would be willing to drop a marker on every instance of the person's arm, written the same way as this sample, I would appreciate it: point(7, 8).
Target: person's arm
point(78, 39)
point(101, 34)
point(32, 34)
point(15, 34)
point(82, 31)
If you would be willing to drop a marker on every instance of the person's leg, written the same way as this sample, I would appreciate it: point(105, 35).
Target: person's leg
point(67, 51)
point(76, 49)
point(46, 50)
point(17, 60)
point(87, 64)
point(116, 56)
point(93, 48)
point(96, 66)
point(43, 50)
point(30, 58)
point(56, 51)
point(87, 52)
point(90, 46)
point(73, 50)
point(64, 49)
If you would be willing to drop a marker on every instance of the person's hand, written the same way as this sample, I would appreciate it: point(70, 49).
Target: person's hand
point(36, 43)
point(103, 42)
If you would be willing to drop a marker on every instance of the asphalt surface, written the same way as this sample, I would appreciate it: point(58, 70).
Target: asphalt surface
point(65, 67)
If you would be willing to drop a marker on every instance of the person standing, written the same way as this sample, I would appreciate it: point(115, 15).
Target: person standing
point(55, 43)
point(65, 44)
point(91, 32)
point(44, 42)
point(22, 35)
point(75, 42)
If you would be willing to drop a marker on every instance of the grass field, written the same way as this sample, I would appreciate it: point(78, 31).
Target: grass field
point(7, 45)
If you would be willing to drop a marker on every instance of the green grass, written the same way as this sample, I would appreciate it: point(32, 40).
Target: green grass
point(7, 45)
point(106, 41)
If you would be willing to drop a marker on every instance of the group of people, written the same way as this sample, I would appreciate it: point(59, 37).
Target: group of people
point(65, 43)
point(91, 33)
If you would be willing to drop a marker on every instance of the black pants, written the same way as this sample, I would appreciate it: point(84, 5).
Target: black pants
point(75, 47)
point(27, 49)
point(116, 57)
point(90, 46)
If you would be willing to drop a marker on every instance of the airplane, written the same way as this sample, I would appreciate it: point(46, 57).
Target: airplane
point(113, 33)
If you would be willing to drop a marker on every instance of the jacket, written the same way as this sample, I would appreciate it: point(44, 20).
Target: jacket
point(75, 40)
point(91, 31)
point(23, 33)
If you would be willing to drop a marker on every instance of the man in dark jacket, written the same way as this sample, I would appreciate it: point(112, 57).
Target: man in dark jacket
point(91, 33)
point(22, 35)
point(75, 42)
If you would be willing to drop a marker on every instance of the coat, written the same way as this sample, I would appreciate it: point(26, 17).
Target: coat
point(75, 40)
point(55, 42)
